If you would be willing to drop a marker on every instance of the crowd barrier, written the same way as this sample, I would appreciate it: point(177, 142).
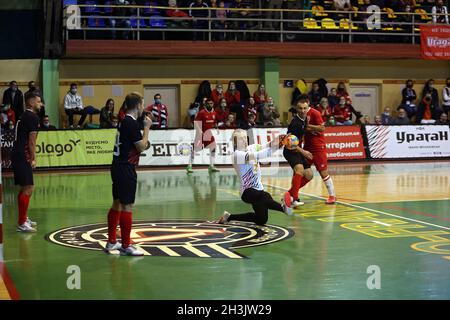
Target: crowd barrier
point(78, 148)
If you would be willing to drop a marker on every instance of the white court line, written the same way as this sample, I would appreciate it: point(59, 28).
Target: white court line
point(367, 209)
point(382, 223)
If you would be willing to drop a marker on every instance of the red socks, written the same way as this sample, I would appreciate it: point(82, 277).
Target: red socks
point(295, 185)
point(23, 200)
point(113, 222)
point(125, 228)
point(304, 182)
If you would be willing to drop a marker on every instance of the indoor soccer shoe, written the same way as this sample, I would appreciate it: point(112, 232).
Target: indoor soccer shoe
point(189, 169)
point(213, 169)
point(130, 251)
point(25, 228)
point(112, 246)
point(331, 200)
point(224, 218)
point(297, 203)
point(31, 223)
point(287, 210)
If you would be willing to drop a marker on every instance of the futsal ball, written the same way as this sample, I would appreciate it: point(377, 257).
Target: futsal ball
point(291, 142)
point(184, 149)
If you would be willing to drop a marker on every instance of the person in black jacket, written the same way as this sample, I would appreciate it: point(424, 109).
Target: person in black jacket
point(14, 97)
point(429, 88)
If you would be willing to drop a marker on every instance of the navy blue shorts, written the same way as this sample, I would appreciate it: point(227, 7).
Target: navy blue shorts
point(23, 173)
point(124, 184)
point(294, 158)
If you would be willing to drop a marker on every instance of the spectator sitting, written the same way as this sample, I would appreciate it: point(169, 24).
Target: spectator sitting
point(342, 90)
point(426, 113)
point(366, 119)
point(46, 126)
point(342, 113)
point(324, 109)
point(386, 117)
point(446, 96)
point(7, 115)
point(73, 104)
point(159, 112)
point(271, 116)
point(260, 95)
point(232, 96)
point(106, 114)
point(401, 117)
point(250, 123)
point(333, 99)
point(341, 5)
point(14, 98)
point(121, 22)
point(429, 88)
point(222, 112)
point(439, 13)
point(331, 121)
point(229, 123)
point(443, 119)
point(115, 121)
point(217, 95)
point(315, 95)
point(408, 99)
point(378, 120)
point(249, 109)
point(175, 12)
point(240, 24)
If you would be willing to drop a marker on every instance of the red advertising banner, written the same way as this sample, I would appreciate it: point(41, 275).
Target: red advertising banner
point(435, 42)
point(344, 142)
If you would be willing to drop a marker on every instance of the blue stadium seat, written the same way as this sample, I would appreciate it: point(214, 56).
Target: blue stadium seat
point(150, 12)
point(157, 22)
point(133, 22)
point(92, 8)
point(95, 22)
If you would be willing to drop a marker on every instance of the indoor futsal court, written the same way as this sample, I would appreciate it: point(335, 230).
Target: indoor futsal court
point(394, 216)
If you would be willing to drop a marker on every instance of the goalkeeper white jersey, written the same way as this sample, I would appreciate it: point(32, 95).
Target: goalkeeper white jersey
point(246, 164)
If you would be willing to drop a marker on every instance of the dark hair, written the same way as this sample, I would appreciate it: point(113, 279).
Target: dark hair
point(31, 95)
point(30, 82)
point(46, 116)
point(154, 97)
point(302, 97)
point(14, 81)
point(108, 101)
point(132, 100)
point(73, 85)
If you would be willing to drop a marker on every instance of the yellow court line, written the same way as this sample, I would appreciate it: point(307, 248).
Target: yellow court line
point(367, 209)
point(4, 295)
point(223, 251)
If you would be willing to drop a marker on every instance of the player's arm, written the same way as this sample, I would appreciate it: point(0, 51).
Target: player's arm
point(32, 137)
point(315, 128)
point(144, 144)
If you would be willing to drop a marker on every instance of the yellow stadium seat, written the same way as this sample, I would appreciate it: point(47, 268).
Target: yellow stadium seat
point(423, 14)
point(318, 11)
point(310, 23)
point(344, 24)
point(390, 12)
point(329, 24)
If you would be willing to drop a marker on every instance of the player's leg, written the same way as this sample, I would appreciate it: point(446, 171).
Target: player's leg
point(198, 145)
point(273, 205)
point(330, 186)
point(296, 181)
point(114, 212)
point(127, 195)
point(260, 214)
point(212, 156)
point(23, 176)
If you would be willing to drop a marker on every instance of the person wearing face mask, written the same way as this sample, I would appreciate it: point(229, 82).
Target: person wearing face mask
point(271, 116)
point(14, 97)
point(233, 96)
point(73, 104)
point(159, 113)
point(341, 91)
point(324, 109)
point(249, 109)
point(446, 96)
point(217, 95)
point(342, 113)
point(46, 126)
point(222, 113)
point(205, 121)
point(386, 117)
point(408, 98)
point(333, 99)
point(430, 89)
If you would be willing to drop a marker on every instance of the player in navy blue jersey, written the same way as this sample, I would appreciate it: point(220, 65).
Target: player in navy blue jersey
point(24, 157)
point(130, 142)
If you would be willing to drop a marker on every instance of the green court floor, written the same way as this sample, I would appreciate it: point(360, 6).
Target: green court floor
point(323, 252)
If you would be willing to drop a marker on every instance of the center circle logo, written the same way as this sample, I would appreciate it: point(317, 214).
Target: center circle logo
point(177, 238)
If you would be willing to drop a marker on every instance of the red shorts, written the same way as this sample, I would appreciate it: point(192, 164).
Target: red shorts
point(203, 143)
point(319, 160)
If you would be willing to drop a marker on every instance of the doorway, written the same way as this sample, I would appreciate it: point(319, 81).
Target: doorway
point(169, 97)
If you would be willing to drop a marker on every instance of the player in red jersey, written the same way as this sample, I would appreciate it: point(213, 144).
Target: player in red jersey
point(204, 122)
point(314, 142)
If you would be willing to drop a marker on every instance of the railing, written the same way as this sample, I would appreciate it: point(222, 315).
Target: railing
point(343, 26)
